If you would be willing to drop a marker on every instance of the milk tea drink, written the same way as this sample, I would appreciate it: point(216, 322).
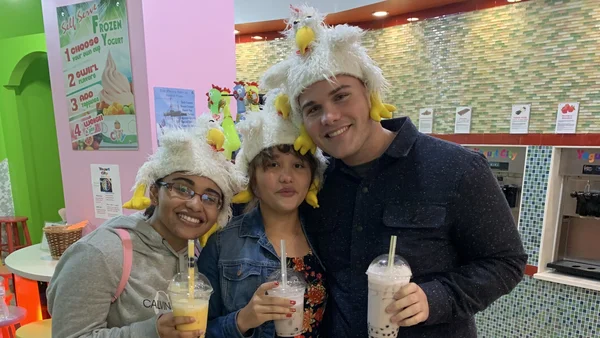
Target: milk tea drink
point(195, 305)
point(294, 290)
point(384, 282)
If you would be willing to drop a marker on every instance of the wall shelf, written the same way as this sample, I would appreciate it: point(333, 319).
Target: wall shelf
point(557, 277)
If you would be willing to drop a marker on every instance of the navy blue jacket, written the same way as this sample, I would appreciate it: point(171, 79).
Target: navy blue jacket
point(453, 224)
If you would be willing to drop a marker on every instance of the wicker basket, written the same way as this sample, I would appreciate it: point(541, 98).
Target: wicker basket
point(60, 238)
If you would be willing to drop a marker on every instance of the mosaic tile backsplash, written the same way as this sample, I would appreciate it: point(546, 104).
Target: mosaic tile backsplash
point(541, 52)
point(6, 202)
point(538, 308)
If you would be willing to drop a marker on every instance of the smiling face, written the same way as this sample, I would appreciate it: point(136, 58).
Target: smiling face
point(280, 178)
point(178, 217)
point(336, 116)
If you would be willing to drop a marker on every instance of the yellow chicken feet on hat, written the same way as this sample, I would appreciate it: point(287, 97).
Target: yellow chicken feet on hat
point(204, 238)
point(282, 104)
point(311, 196)
point(242, 197)
point(138, 201)
point(304, 142)
point(379, 109)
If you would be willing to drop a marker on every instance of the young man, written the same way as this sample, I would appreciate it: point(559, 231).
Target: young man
point(454, 226)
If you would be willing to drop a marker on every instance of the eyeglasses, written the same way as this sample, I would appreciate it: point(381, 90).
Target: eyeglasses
point(186, 193)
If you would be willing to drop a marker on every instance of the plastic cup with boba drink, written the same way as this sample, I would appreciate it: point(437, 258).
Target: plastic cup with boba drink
point(292, 286)
point(386, 274)
point(189, 294)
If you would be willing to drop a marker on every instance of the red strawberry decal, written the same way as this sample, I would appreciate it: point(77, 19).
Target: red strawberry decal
point(565, 109)
point(571, 108)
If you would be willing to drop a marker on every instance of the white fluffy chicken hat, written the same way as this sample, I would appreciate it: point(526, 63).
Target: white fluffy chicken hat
point(321, 53)
point(194, 151)
point(266, 129)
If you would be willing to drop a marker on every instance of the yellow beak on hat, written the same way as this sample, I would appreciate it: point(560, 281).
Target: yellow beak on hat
point(216, 138)
point(304, 37)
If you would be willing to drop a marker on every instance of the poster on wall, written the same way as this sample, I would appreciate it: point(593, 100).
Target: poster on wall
point(96, 65)
point(174, 108)
point(106, 187)
point(519, 119)
point(566, 118)
point(426, 120)
point(462, 121)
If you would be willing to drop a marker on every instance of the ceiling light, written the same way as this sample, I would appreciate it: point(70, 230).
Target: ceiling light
point(380, 14)
point(412, 19)
point(235, 31)
point(256, 37)
point(513, 0)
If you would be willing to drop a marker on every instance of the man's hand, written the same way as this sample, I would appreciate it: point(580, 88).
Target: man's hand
point(410, 306)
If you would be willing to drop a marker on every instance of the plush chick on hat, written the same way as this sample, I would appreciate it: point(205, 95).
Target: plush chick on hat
point(267, 129)
point(321, 53)
point(193, 151)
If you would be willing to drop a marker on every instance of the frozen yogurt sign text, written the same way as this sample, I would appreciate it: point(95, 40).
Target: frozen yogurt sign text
point(588, 156)
point(97, 75)
point(498, 153)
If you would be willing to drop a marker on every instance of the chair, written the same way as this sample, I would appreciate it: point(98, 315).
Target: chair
point(13, 240)
point(39, 329)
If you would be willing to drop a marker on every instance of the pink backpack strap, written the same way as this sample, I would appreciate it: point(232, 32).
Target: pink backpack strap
point(127, 260)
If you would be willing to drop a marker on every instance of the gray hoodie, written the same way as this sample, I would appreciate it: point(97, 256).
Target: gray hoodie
point(88, 274)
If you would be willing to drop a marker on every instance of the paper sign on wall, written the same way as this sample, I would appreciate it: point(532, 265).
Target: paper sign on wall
point(566, 118)
point(519, 119)
point(174, 108)
point(106, 187)
point(96, 68)
point(462, 121)
point(426, 120)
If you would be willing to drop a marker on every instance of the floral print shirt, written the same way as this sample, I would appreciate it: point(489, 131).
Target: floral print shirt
point(316, 294)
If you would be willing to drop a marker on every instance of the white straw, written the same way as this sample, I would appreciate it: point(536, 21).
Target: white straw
point(283, 265)
point(392, 252)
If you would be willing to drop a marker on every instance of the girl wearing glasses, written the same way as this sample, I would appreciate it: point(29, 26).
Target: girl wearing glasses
point(190, 189)
point(238, 259)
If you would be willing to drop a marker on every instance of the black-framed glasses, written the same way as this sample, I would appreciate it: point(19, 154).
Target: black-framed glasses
point(186, 193)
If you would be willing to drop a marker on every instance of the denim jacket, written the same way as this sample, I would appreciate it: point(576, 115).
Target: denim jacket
point(237, 260)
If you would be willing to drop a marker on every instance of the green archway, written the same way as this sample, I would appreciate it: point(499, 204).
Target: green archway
point(31, 144)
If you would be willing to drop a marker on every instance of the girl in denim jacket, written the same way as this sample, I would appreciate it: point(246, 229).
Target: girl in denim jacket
point(238, 259)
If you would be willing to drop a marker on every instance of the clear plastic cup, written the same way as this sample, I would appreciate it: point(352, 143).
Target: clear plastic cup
point(294, 290)
point(384, 282)
point(184, 305)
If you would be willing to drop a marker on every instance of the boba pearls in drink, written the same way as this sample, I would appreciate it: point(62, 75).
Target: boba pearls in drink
point(294, 289)
point(384, 282)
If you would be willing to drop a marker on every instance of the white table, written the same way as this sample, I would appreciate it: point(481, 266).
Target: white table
point(30, 265)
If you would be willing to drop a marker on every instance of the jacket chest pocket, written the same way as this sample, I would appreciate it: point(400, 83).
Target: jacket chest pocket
point(420, 227)
point(239, 283)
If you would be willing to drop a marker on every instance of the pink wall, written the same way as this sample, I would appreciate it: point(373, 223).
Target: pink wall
point(182, 44)
point(191, 45)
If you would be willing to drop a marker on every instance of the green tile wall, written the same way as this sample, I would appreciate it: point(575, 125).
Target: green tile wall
point(540, 52)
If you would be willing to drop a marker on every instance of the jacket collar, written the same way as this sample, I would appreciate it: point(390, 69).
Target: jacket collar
point(252, 224)
point(406, 136)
